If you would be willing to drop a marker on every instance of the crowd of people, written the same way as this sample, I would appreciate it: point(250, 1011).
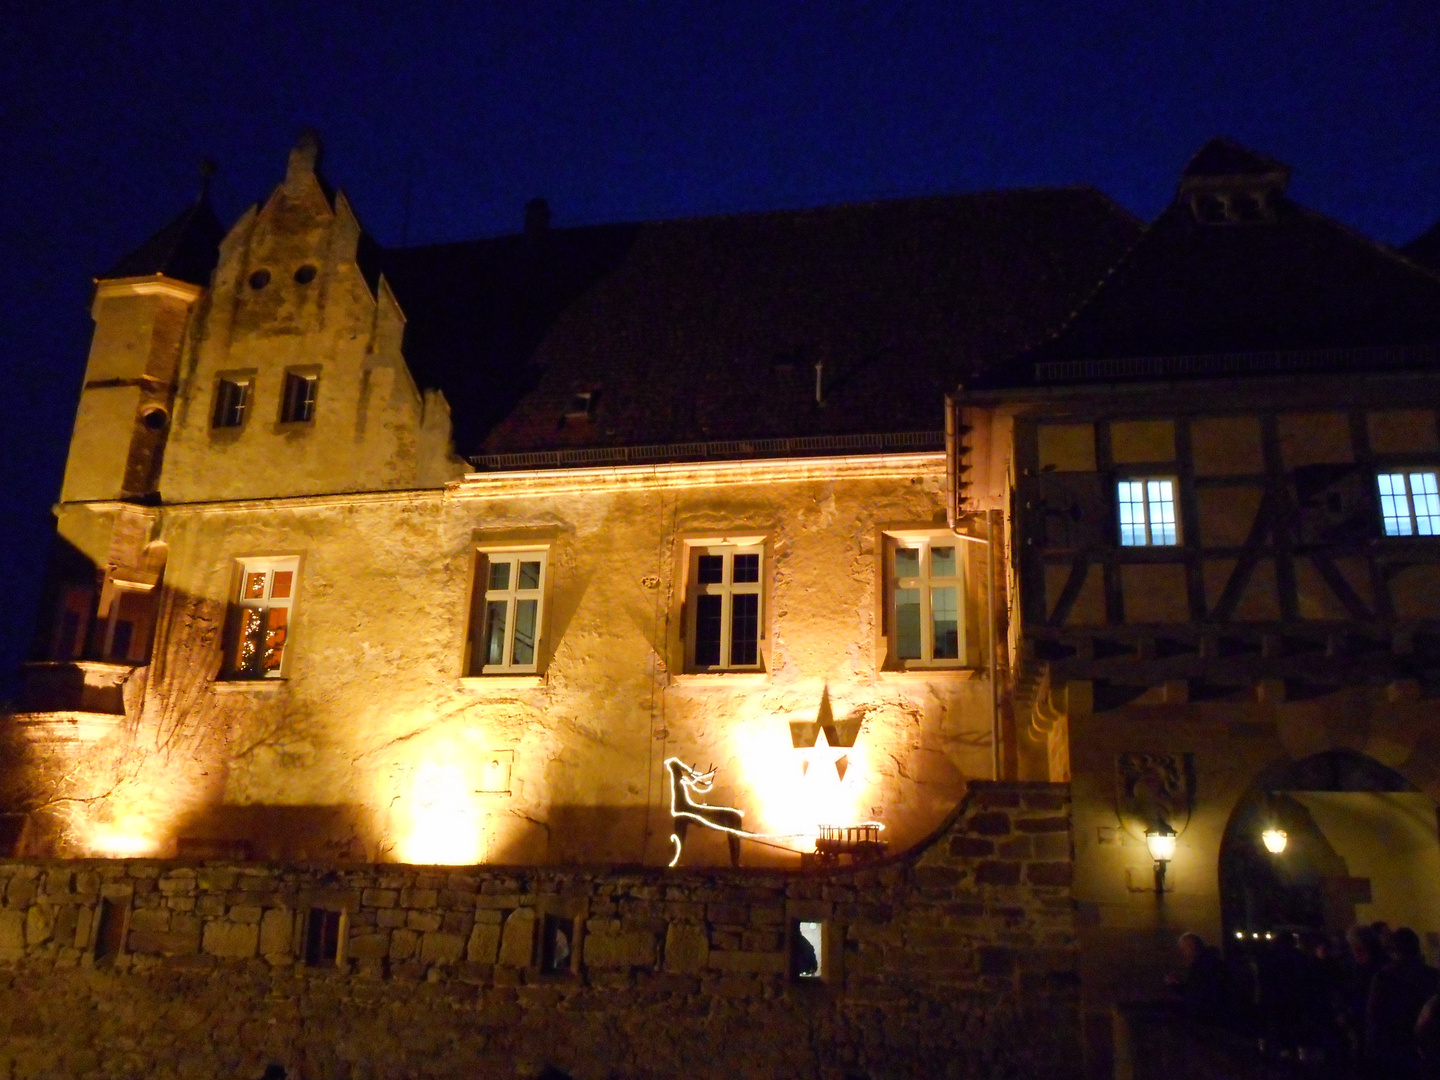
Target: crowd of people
point(1365, 1007)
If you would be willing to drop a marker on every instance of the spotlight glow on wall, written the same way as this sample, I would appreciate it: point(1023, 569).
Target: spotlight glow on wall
point(442, 823)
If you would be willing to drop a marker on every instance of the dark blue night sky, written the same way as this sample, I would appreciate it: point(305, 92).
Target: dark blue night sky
point(645, 110)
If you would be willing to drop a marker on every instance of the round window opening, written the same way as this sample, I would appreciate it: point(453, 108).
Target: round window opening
point(305, 274)
point(154, 419)
point(259, 279)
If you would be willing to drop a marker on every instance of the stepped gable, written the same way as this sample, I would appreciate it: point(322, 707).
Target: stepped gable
point(711, 328)
point(1233, 267)
point(186, 249)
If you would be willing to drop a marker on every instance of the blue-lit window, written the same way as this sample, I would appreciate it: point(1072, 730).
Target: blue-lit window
point(1409, 503)
point(1147, 512)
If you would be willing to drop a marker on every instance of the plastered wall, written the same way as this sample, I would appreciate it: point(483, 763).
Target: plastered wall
point(374, 738)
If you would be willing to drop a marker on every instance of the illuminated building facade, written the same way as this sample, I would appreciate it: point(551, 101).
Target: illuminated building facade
point(1227, 578)
point(438, 554)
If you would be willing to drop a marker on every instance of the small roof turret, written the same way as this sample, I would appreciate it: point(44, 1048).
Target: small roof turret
point(186, 249)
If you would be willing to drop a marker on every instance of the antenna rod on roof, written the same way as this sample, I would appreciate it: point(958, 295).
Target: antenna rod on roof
point(819, 382)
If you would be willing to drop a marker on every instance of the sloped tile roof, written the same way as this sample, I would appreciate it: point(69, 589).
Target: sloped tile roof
point(711, 328)
point(1277, 291)
point(186, 249)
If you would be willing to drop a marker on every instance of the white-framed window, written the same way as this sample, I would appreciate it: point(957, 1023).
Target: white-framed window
point(232, 402)
point(724, 607)
point(1147, 511)
point(509, 612)
point(925, 596)
point(1409, 503)
point(265, 598)
point(297, 405)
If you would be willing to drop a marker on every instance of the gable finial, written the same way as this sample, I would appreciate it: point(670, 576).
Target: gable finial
point(208, 169)
point(305, 154)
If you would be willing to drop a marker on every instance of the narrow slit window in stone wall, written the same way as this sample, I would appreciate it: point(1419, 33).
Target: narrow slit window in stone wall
point(807, 949)
point(322, 937)
point(557, 945)
point(109, 929)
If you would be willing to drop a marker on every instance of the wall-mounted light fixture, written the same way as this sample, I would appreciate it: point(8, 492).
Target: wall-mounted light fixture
point(1161, 842)
point(1275, 840)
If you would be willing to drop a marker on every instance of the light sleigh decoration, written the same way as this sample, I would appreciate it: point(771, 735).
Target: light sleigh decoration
point(688, 786)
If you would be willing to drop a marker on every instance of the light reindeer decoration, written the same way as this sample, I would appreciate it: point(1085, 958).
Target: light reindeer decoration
point(686, 782)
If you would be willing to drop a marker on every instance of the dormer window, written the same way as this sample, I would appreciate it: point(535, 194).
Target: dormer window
point(1232, 207)
point(581, 405)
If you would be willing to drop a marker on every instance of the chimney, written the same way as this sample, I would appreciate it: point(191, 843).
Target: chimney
point(537, 215)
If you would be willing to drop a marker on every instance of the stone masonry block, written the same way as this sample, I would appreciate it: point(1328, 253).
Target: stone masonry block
point(245, 914)
point(687, 949)
point(484, 943)
point(619, 950)
point(753, 963)
point(12, 929)
point(231, 939)
point(997, 873)
point(156, 919)
point(441, 948)
point(1051, 873)
point(369, 947)
point(403, 944)
point(390, 917)
point(993, 823)
point(276, 928)
point(381, 898)
point(1043, 825)
point(39, 924)
point(517, 939)
point(971, 847)
point(172, 944)
point(423, 920)
point(419, 898)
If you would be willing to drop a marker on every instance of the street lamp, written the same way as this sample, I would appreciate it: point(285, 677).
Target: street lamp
point(1275, 840)
point(1161, 842)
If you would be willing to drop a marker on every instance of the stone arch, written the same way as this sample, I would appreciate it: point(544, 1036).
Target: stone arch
point(1328, 876)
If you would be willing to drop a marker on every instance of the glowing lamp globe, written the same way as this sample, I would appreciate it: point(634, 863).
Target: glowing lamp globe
point(1274, 840)
point(1161, 843)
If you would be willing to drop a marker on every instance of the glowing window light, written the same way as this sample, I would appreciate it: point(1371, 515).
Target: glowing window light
point(114, 843)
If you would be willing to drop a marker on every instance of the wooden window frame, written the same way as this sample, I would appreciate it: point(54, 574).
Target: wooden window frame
point(1416, 521)
point(240, 604)
point(299, 409)
point(895, 541)
point(727, 588)
point(1147, 539)
point(483, 596)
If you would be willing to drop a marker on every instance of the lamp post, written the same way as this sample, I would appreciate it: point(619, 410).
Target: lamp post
point(1161, 842)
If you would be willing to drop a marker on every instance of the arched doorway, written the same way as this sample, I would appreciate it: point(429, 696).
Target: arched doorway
point(1361, 844)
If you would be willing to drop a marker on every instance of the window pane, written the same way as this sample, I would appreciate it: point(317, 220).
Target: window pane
point(499, 575)
point(275, 632)
point(1131, 497)
point(525, 614)
point(1161, 494)
point(907, 562)
point(254, 588)
point(744, 628)
point(707, 629)
point(711, 570)
point(945, 623)
point(252, 640)
point(1394, 504)
point(942, 562)
point(1426, 496)
point(280, 584)
point(529, 575)
point(747, 568)
point(495, 612)
point(907, 624)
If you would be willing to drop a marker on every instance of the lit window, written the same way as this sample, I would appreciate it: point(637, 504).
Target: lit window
point(266, 594)
point(925, 591)
point(807, 950)
point(1147, 512)
point(722, 613)
point(1409, 503)
point(232, 400)
point(298, 404)
point(507, 619)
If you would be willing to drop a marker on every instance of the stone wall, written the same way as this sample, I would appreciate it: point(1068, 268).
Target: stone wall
point(954, 960)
